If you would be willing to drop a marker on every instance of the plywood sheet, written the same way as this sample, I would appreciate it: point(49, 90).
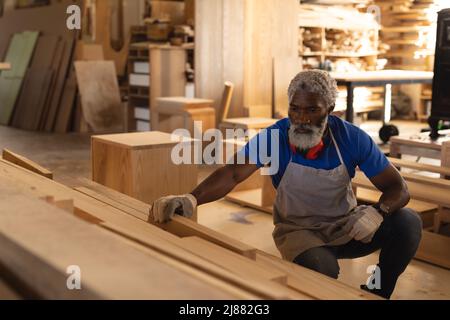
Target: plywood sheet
point(31, 102)
point(19, 55)
point(100, 95)
point(61, 77)
point(66, 108)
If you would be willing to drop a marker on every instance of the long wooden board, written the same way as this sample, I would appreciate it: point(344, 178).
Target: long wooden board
point(315, 284)
point(179, 226)
point(139, 231)
point(26, 163)
point(46, 241)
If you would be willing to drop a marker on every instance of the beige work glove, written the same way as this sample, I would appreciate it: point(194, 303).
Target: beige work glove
point(367, 223)
point(164, 208)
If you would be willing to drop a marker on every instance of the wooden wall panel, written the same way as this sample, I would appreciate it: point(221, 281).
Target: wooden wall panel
point(233, 53)
point(247, 35)
point(209, 48)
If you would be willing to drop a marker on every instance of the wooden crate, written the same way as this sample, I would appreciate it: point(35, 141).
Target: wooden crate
point(140, 165)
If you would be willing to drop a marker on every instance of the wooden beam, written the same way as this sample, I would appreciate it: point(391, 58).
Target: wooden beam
point(179, 226)
point(419, 191)
point(313, 283)
point(230, 260)
point(443, 170)
point(434, 248)
point(45, 240)
point(26, 163)
point(123, 224)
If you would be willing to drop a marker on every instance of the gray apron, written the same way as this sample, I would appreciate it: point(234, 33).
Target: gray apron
point(312, 207)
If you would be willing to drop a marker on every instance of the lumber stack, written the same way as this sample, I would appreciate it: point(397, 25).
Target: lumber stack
point(39, 91)
point(40, 54)
point(409, 28)
point(123, 256)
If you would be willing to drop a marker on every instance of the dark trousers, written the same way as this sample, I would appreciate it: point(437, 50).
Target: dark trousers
point(398, 238)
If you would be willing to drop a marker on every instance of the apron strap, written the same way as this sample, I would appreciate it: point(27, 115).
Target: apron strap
point(337, 147)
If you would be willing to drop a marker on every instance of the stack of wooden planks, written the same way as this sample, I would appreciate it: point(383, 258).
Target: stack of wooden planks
point(39, 92)
point(409, 28)
point(122, 256)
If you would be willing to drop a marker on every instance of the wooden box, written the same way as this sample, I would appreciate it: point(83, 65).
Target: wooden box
point(140, 165)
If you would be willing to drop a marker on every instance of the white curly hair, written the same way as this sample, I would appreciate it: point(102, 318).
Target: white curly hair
point(314, 81)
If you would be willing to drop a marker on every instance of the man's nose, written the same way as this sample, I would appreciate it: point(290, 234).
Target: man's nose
point(300, 118)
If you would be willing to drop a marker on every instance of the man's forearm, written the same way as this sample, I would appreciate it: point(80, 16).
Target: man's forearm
point(216, 186)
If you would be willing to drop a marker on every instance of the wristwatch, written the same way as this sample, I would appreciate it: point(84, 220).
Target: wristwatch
point(382, 208)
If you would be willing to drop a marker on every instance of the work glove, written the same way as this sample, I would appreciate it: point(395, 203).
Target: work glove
point(367, 223)
point(164, 208)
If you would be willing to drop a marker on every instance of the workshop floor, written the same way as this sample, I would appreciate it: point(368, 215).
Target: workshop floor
point(68, 156)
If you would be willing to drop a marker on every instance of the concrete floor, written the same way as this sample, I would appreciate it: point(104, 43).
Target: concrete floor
point(68, 157)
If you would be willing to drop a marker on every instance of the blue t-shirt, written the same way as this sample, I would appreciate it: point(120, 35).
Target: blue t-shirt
point(356, 146)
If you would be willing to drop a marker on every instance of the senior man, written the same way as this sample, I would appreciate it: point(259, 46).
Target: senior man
point(316, 216)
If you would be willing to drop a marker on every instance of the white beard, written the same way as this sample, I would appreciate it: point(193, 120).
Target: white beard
point(305, 141)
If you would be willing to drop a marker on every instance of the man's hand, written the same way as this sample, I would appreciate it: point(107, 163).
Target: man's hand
point(367, 224)
point(164, 208)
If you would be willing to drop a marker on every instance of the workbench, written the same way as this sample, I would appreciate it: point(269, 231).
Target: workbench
point(385, 78)
point(420, 145)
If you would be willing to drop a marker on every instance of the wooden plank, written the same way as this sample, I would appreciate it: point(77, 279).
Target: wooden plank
point(434, 248)
point(372, 196)
point(437, 182)
point(36, 235)
point(19, 55)
point(7, 292)
point(445, 158)
point(313, 283)
point(5, 66)
point(47, 19)
point(417, 190)
point(62, 76)
point(442, 170)
point(179, 226)
point(66, 109)
point(31, 105)
point(216, 17)
point(118, 222)
point(100, 96)
point(88, 52)
point(230, 260)
point(26, 163)
point(31, 101)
